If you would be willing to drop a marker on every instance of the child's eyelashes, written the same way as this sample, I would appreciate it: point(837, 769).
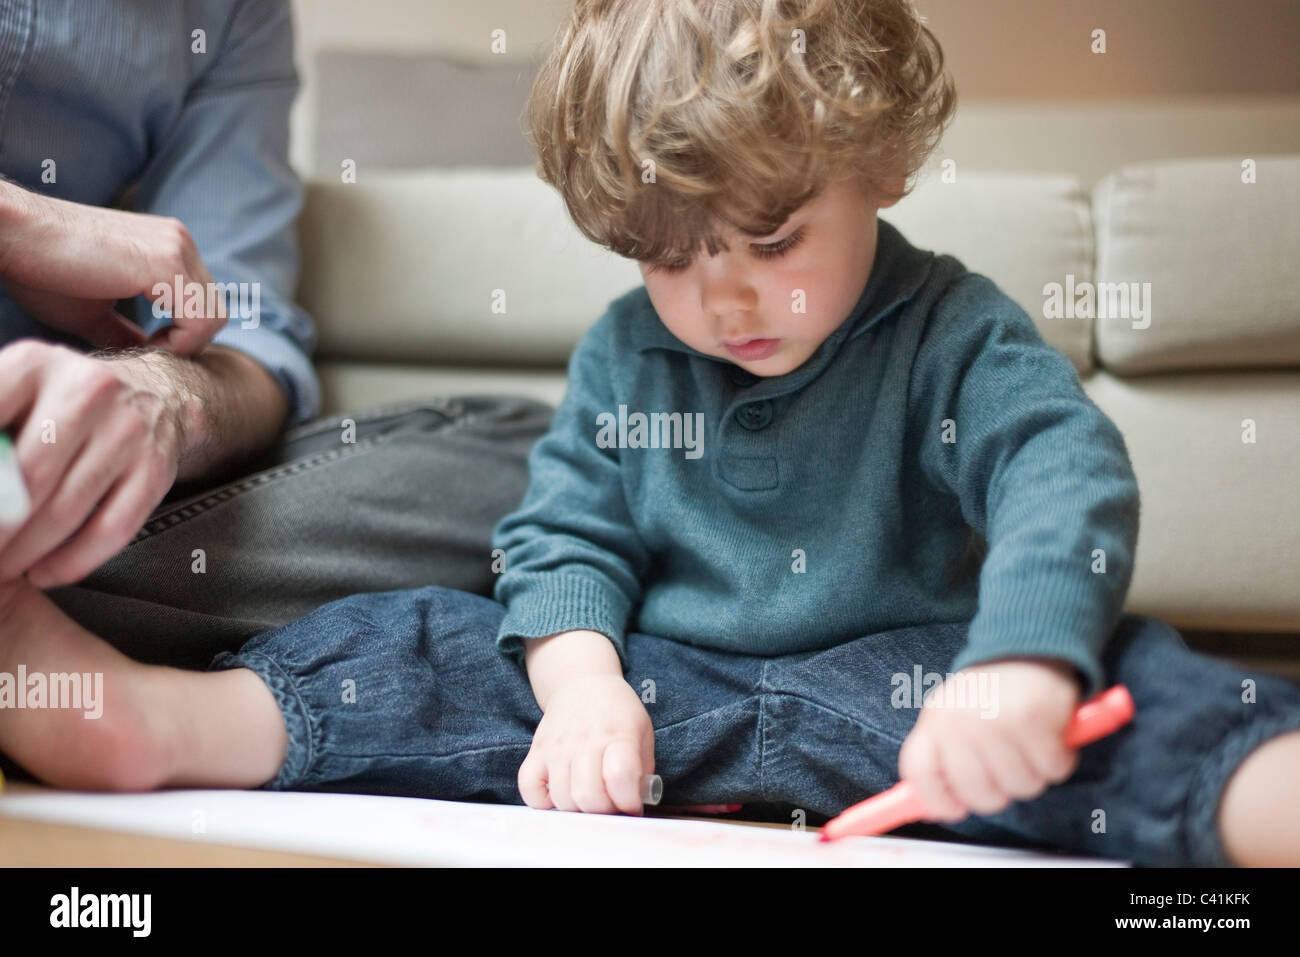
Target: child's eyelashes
point(784, 246)
point(670, 267)
point(771, 251)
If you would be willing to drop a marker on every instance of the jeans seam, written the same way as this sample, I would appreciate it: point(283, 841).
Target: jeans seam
point(455, 414)
point(840, 714)
point(466, 417)
point(730, 705)
point(174, 517)
point(461, 752)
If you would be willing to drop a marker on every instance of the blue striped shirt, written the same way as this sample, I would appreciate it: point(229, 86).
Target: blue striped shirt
point(109, 104)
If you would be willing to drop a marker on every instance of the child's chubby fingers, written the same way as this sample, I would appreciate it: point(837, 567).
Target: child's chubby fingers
point(1013, 775)
point(919, 764)
point(624, 770)
point(1048, 753)
point(587, 782)
point(559, 780)
point(966, 769)
point(534, 786)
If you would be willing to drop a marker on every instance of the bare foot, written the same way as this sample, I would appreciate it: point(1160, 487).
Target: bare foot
point(147, 727)
point(123, 749)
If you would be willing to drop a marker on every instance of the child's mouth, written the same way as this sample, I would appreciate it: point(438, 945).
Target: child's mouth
point(753, 350)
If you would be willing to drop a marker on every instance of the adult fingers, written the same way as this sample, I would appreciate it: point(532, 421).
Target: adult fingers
point(22, 369)
point(118, 332)
point(188, 337)
point(104, 457)
point(50, 439)
point(110, 528)
point(191, 328)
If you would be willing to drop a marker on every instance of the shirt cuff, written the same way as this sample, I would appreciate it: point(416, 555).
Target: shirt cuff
point(1070, 622)
point(285, 361)
point(560, 603)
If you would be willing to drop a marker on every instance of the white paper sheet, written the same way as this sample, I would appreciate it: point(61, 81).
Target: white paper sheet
point(389, 830)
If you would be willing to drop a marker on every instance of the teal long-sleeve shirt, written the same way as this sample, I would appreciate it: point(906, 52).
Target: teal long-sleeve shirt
point(933, 461)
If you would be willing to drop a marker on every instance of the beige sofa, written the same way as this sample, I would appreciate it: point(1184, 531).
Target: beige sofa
point(473, 280)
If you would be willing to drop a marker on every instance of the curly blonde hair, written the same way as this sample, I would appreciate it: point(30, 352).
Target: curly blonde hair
point(746, 108)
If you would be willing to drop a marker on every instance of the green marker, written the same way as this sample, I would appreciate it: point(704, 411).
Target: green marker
point(14, 503)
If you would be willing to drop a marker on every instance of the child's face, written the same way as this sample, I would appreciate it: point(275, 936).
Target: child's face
point(767, 312)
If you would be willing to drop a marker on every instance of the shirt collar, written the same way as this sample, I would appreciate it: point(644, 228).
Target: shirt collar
point(897, 272)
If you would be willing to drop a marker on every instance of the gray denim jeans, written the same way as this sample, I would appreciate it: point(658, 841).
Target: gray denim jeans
point(397, 497)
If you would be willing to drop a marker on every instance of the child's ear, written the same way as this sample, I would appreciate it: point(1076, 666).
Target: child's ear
point(890, 192)
point(884, 193)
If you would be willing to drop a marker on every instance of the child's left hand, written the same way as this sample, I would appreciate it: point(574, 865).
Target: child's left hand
point(980, 756)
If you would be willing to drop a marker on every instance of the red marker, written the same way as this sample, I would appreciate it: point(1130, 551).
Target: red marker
point(901, 804)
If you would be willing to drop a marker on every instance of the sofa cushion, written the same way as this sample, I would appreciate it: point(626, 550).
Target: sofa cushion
point(390, 111)
point(451, 266)
point(355, 386)
point(1219, 255)
point(1022, 230)
point(1218, 542)
point(403, 266)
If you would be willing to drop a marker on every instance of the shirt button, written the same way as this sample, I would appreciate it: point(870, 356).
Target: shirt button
point(742, 377)
point(755, 415)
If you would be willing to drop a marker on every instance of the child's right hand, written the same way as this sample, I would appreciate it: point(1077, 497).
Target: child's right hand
point(592, 748)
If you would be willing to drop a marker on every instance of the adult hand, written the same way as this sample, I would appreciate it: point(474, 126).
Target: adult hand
point(66, 264)
point(97, 443)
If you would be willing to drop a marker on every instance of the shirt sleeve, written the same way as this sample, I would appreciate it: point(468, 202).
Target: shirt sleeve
point(573, 556)
point(1040, 472)
point(223, 170)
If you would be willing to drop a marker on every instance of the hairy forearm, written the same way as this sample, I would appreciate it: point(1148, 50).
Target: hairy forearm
point(15, 212)
point(228, 408)
point(565, 657)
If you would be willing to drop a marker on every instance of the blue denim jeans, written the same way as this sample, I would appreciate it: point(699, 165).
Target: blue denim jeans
point(405, 693)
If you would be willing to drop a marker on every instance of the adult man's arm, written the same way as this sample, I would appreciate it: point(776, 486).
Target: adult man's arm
point(165, 417)
point(128, 428)
point(100, 442)
point(223, 171)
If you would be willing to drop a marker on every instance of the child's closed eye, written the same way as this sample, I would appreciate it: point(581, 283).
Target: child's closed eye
point(768, 251)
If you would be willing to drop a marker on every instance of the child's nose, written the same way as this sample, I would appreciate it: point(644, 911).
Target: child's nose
point(729, 301)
